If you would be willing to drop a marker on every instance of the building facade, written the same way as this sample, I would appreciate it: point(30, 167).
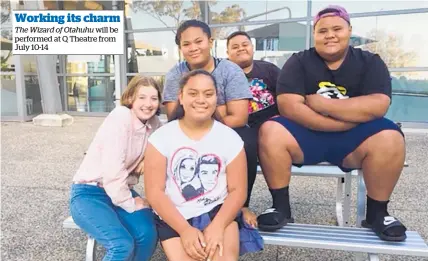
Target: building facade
point(92, 84)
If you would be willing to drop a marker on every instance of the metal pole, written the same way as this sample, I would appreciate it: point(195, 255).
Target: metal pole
point(308, 24)
point(119, 65)
point(47, 75)
point(267, 12)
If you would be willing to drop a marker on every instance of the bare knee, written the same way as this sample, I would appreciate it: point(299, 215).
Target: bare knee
point(387, 141)
point(275, 138)
point(174, 250)
point(228, 258)
point(273, 133)
point(230, 244)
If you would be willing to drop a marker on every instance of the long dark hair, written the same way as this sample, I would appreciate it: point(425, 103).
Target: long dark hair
point(179, 110)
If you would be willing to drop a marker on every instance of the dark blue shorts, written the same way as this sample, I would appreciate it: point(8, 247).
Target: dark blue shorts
point(333, 147)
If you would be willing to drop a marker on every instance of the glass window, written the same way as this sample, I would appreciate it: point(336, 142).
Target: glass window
point(30, 63)
point(90, 93)
point(410, 82)
point(372, 6)
point(399, 39)
point(410, 108)
point(286, 9)
point(51, 4)
point(154, 52)
point(62, 92)
point(9, 106)
point(33, 99)
point(6, 11)
point(410, 97)
point(161, 14)
point(7, 61)
point(83, 5)
point(272, 42)
point(90, 63)
point(222, 12)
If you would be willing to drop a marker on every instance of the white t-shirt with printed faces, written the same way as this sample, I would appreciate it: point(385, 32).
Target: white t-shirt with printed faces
point(196, 170)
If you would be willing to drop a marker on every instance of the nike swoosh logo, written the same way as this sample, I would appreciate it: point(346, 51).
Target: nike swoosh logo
point(386, 223)
point(389, 221)
point(269, 210)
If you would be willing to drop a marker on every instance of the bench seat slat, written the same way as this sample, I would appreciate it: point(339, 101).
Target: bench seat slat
point(348, 238)
point(69, 223)
point(325, 171)
point(367, 235)
point(345, 239)
point(324, 228)
point(367, 246)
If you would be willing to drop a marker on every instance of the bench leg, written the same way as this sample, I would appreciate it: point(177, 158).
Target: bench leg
point(343, 200)
point(90, 249)
point(360, 256)
point(363, 257)
point(347, 199)
point(373, 257)
point(361, 199)
point(339, 202)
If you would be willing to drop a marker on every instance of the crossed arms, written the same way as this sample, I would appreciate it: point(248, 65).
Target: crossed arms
point(343, 114)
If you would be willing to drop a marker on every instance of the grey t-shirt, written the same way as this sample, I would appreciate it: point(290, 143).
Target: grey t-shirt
point(231, 82)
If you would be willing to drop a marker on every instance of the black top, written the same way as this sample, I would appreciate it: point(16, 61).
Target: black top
point(361, 73)
point(262, 79)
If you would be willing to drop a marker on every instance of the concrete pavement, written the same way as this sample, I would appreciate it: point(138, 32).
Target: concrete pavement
point(39, 162)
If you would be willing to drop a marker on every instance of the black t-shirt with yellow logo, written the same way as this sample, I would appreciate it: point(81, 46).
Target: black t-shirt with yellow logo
point(361, 73)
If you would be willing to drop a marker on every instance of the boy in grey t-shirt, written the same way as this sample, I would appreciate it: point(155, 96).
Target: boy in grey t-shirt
point(194, 40)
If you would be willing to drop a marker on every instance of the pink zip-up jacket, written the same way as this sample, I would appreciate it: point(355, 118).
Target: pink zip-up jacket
point(117, 148)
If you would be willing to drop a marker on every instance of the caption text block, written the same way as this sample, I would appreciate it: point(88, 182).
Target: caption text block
point(68, 32)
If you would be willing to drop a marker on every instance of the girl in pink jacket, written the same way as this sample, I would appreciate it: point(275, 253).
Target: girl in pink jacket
point(103, 202)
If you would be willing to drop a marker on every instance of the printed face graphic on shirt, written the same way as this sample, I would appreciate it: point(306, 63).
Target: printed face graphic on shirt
point(186, 169)
point(209, 168)
point(262, 98)
point(331, 91)
point(194, 176)
point(185, 165)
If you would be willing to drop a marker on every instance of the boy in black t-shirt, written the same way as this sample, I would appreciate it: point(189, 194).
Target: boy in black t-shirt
point(332, 99)
point(262, 77)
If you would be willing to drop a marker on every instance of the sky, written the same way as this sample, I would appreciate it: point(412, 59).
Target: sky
point(409, 27)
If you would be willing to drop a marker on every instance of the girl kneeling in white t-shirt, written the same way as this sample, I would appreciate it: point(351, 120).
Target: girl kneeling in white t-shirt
point(196, 180)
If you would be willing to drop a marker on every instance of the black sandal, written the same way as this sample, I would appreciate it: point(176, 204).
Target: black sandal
point(381, 226)
point(271, 220)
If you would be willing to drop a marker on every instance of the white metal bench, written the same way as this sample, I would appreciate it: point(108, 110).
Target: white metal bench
point(360, 240)
point(350, 239)
point(343, 190)
point(327, 237)
point(90, 244)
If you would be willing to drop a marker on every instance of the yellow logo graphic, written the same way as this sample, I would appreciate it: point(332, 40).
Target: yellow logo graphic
point(341, 89)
